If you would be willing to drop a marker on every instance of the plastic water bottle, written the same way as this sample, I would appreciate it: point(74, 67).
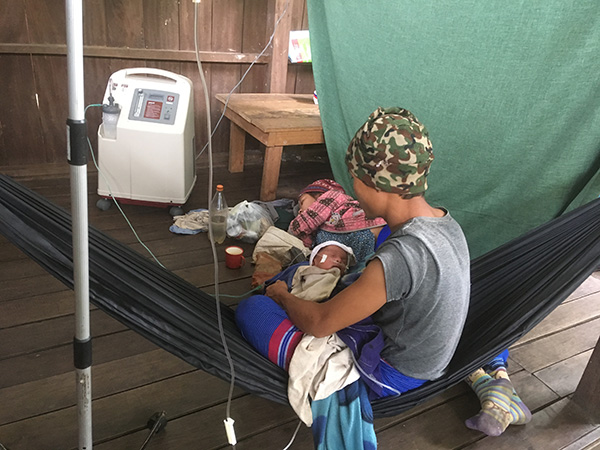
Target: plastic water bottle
point(218, 215)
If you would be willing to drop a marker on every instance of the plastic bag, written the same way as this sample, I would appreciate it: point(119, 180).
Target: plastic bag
point(248, 222)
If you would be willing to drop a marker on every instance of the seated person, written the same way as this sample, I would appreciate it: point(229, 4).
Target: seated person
point(328, 213)
point(415, 288)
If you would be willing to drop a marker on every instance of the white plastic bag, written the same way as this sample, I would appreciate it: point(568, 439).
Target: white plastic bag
point(248, 222)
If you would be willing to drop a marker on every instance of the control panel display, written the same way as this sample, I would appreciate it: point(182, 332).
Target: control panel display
point(153, 109)
point(149, 105)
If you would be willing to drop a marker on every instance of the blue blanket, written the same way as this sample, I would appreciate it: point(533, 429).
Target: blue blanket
point(344, 420)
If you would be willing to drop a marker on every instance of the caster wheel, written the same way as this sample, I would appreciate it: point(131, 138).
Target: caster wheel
point(103, 204)
point(176, 211)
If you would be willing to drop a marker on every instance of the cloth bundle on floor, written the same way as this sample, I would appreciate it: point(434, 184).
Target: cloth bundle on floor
point(513, 288)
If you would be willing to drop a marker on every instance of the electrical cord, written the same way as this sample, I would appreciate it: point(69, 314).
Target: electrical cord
point(293, 436)
point(244, 295)
point(244, 75)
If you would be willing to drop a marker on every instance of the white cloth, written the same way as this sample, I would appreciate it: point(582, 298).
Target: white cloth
point(193, 220)
point(313, 283)
point(318, 368)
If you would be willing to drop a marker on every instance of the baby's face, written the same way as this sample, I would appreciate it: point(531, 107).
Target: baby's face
point(331, 256)
point(305, 201)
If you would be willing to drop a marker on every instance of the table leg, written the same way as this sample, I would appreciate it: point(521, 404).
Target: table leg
point(270, 177)
point(237, 145)
point(587, 394)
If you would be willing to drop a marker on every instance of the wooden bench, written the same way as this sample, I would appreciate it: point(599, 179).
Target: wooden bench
point(276, 120)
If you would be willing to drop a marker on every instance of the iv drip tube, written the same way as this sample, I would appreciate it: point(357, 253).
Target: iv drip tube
point(76, 156)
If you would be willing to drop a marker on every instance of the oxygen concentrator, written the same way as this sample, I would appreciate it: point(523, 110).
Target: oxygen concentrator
point(146, 142)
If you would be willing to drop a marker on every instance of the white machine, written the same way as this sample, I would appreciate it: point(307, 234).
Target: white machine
point(147, 150)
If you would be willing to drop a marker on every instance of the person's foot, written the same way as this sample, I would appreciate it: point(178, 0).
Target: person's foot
point(519, 411)
point(496, 399)
point(492, 420)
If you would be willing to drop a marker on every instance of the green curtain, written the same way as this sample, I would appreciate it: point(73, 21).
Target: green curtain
point(509, 92)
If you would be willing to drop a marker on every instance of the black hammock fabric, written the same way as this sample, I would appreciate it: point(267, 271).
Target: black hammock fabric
point(513, 288)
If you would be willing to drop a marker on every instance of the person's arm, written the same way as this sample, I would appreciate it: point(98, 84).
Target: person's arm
point(358, 301)
point(307, 222)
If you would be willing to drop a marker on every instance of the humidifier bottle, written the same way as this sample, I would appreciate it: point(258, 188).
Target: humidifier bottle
point(110, 117)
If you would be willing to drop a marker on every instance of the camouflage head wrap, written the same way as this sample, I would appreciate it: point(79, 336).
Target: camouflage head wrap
point(391, 152)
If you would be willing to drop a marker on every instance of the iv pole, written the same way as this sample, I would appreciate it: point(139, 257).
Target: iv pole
point(77, 158)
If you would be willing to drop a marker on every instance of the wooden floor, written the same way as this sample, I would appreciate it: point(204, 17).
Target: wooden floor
point(132, 378)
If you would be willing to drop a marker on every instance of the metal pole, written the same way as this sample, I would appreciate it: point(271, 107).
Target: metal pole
point(77, 158)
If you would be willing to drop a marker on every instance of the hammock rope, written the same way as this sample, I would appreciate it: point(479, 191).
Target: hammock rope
point(513, 288)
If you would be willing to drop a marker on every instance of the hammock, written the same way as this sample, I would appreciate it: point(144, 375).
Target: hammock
point(513, 288)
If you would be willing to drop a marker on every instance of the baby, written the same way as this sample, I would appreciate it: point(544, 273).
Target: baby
point(316, 280)
point(326, 212)
point(332, 254)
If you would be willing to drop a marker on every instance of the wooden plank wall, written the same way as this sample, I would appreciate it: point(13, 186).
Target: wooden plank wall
point(133, 33)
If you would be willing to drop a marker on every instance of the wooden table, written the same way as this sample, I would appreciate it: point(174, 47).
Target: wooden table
point(276, 120)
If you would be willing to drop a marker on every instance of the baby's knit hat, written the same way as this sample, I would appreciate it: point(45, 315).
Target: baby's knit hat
point(321, 186)
point(318, 248)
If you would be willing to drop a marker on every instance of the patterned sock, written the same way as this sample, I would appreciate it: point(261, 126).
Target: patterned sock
point(499, 372)
point(519, 411)
point(495, 397)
